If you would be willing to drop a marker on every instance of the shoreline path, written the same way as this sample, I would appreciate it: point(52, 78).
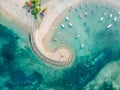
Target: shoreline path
point(61, 56)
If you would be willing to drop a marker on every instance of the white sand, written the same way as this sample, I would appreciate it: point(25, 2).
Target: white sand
point(16, 12)
point(15, 9)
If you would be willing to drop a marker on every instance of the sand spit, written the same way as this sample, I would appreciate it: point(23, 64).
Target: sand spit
point(61, 56)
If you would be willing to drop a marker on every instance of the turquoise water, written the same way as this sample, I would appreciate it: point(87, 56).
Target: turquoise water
point(101, 44)
point(94, 33)
point(21, 69)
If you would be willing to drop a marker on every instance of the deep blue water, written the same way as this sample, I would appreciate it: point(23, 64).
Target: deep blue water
point(10, 53)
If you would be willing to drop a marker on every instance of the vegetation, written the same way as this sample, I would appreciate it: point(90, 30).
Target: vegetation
point(35, 12)
point(35, 7)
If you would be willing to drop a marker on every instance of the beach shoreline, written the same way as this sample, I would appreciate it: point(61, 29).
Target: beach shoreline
point(37, 37)
point(48, 60)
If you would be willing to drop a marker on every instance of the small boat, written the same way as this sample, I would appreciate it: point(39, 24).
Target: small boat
point(67, 18)
point(86, 14)
point(80, 16)
point(111, 15)
point(70, 24)
point(77, 36)
point(119, 12)
point(98, 58)
point(55, 39)
point(101, 19)
point(104, 13)
point(115, 18)
point(77, 9)
point(62, 25)
point(110, 25)
point(58, 33)
point(82, 46)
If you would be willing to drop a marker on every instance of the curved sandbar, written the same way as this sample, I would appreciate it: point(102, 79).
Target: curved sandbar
point(62, 55)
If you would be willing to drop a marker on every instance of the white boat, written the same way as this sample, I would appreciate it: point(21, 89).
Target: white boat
point(82, 46)
point(101, 19)
point(119, 12)
point(80, 16)
point(77, 9)
point(70, 24)
point(111, 15)
point(55, 39)
point(110, 25)
point(77, 36)
point(115, 18)
point(104, 13)
point(86, 14)
point(62, 25)
point(67, 18)
point(99, 57)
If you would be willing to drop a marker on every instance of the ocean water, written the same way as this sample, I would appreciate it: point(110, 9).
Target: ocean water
point(21, 69)
point(101, 44)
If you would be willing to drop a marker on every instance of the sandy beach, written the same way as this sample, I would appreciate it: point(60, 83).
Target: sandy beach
point(15, 10)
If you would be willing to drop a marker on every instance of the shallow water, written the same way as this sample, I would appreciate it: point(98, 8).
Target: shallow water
point(21, 69)
point(101, 44)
